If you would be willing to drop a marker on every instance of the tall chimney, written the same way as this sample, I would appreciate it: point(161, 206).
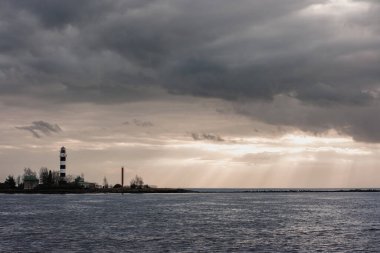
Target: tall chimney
point(122, 176)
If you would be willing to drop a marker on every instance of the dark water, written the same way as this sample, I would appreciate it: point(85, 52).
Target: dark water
point(219, 222)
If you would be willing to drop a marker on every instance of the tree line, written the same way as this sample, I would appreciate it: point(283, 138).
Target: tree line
point(46, 178)
point(51, 179)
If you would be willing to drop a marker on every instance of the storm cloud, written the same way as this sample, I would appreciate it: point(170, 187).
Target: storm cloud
point(313, 64)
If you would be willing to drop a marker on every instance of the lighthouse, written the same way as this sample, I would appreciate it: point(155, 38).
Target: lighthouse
point(62, 164)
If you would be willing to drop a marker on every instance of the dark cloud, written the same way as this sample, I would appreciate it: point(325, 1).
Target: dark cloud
point(206, 136)
point(140, 123)
point(118, 51)
point(41, 128)
point(360, 122)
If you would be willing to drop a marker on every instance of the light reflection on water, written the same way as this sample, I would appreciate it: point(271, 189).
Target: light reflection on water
point(216, 222)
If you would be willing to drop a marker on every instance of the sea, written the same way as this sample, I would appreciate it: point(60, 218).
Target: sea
point(191, 222)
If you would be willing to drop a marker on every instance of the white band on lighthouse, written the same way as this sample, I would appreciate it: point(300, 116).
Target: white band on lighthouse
point(62, 162)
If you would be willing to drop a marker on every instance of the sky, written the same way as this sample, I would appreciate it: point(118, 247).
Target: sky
point(203, 93)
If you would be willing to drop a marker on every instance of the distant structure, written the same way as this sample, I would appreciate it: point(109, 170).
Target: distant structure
point(122, 176)
point(30, 182)
point(62, 164)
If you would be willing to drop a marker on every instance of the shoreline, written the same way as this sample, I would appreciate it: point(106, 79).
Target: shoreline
point(94, 191)
point(179, 190)
point(292, 191)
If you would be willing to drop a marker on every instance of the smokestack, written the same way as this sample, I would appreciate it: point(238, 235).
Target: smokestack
point(62, 163)
point(122, 176)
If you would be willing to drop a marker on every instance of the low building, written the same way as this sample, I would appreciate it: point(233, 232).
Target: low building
point(30, 182)
point(87, 185)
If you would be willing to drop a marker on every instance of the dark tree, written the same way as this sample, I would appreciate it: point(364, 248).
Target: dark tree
point(44, 176)
point(10, 182)
point(50, 178)
point(28, 173)
point(56, 177)
point(137, 182)
point(70, 179)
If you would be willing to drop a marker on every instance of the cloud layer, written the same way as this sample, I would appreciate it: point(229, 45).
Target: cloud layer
point(319, 58)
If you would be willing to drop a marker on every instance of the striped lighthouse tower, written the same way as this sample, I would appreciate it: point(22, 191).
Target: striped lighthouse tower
point(62, 164)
